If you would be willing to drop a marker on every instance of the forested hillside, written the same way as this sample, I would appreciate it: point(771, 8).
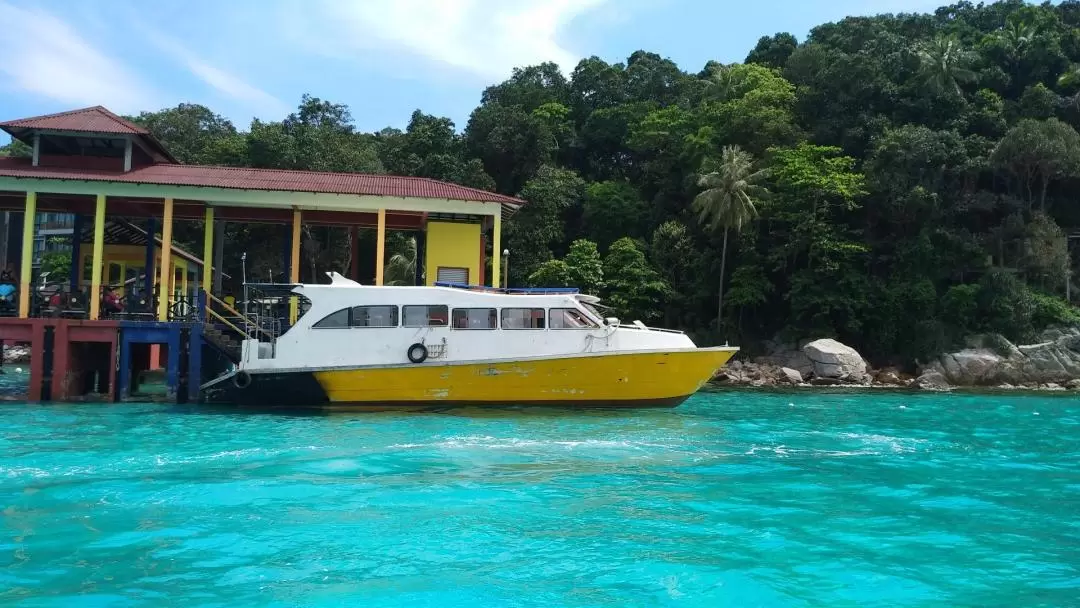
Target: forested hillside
point(896, 182)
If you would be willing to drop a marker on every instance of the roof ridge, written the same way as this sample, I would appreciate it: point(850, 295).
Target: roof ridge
point(106, 112)
point(488, 192)
point(54, 114)
point(121, 120)
point(339, 173)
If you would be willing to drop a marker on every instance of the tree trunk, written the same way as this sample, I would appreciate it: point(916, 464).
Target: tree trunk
point(1042, 197)
point(723, 268)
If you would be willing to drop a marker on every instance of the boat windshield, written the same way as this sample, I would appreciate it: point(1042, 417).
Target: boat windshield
point(593, 311)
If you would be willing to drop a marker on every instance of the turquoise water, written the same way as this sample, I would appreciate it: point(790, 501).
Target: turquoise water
point(734, 499)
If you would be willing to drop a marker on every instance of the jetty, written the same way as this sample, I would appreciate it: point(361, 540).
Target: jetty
point(135, 303)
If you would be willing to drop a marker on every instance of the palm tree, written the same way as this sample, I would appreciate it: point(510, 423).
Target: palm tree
point(728, 201)
point(400, 269)
point(945, 64)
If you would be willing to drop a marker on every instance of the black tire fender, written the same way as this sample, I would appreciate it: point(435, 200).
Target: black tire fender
point(417, 353)
point(242, 380)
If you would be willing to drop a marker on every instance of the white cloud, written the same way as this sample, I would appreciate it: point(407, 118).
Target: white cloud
point(485, 37)
point(44, 56)
point(225, 83)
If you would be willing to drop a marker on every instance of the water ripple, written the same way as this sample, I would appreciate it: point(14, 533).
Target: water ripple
point(735, 499)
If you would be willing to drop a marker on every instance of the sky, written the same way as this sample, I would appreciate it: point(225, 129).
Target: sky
point(249, 59)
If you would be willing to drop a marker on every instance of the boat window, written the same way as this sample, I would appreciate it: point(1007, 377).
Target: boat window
point(426, 316)
point(568, 318)
point(374, 316)
point(522, 318)
point(336, 320)
point(475, 318)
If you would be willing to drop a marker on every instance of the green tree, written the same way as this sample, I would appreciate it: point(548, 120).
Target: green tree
point(944, 65)
point(581, 269)
point(538, 229)
point(1037, 152)
point(634, 289)
point(613, 209)
point(727, 202)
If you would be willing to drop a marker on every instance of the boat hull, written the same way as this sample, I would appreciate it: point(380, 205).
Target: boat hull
point(631, 379)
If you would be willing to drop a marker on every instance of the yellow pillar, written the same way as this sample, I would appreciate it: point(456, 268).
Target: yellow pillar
point(380, 248)
point(96, 266)
point(294, 264)
point(166, 275)
point(496, 252)
point(208, 251)
point(27, 262)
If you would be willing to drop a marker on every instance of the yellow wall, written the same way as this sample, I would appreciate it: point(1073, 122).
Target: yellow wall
point(453, 245)
point(131, 256)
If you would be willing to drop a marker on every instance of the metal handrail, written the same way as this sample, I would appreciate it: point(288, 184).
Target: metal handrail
point(253, 325)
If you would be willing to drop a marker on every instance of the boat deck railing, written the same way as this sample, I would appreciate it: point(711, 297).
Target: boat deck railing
point(642, 326)
point(511, 290)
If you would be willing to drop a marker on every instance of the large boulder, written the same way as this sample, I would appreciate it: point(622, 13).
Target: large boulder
point(791, 376)
point(992, 360)
point(931, 381)
point(786, 354)
point(972, 367)
point(831, 359)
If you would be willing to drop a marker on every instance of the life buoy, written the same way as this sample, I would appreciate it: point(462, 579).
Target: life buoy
point(242, 380)
point(417, 353)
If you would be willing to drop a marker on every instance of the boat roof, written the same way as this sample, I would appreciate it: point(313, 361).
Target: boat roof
point(337, 280)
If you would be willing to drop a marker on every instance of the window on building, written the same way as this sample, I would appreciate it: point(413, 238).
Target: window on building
point(425, 316)
point(522, 318)
point(446, 274)
point(475, 318)
point(374, 316)
point(336, 320)
point(568, 318)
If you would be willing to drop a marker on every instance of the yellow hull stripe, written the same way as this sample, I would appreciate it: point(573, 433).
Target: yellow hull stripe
point(602, 378)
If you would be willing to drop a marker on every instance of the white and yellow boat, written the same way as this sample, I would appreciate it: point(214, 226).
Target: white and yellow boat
point(377, 347)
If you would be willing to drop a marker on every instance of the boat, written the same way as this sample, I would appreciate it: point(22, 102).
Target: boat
point(358, 346)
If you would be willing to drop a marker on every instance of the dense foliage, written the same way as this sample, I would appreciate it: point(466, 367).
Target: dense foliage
point(896, 181)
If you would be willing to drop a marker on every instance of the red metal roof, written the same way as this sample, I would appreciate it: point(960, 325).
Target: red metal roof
point(87, 120)
point(264, 179)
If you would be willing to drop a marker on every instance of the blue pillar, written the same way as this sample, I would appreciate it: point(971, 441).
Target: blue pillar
point(194, 379)
point(15, 232)
point(123, 383)
point(148, 268)
point(76, 260)
point(172, 370)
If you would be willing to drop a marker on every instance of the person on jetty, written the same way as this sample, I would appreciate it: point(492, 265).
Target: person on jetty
point(110, 302)
point(9, 284)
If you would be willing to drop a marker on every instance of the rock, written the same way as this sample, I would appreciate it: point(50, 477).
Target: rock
point(792, 376)
point(1006, 387)
point(787, 355)
point(931, 381)
point(972, 367)
point(991, 360)
point(831, 359)
point(825, 382)
point(888, 377)
point(16, 354)
point(1073, 385)
point(1053, 386)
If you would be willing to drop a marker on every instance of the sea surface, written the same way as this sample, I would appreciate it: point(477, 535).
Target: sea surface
point(734, 499)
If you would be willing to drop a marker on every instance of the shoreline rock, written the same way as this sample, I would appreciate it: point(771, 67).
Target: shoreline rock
point(989, 362)
point(16, 354)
